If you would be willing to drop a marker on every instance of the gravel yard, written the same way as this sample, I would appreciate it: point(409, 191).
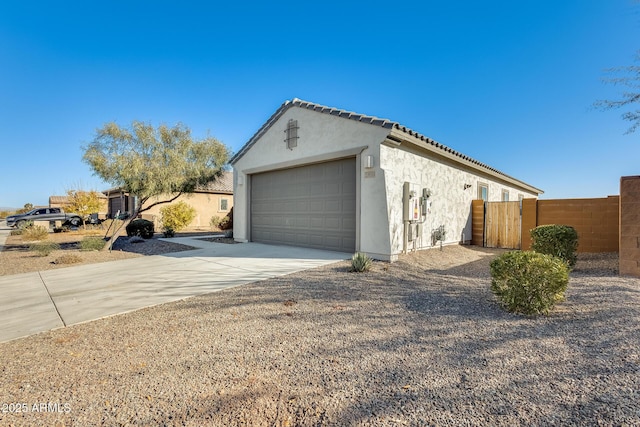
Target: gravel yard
point(16, 257)
point(418, 342)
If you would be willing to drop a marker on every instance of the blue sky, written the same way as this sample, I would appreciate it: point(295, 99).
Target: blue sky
point(508, 83)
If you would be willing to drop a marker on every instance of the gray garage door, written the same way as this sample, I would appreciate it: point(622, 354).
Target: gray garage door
point(312, 206)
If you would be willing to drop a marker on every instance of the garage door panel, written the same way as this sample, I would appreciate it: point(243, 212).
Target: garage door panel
point(307, 206)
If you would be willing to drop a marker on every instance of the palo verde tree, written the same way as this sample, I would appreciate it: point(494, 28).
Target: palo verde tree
point(156, 165)
point(629, 78)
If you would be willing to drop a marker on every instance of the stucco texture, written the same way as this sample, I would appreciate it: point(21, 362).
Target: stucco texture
point(450, 200)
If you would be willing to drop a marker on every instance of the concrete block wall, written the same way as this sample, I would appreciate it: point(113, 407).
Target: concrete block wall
point(629, 222)
point(529, 222)
point(595, 220)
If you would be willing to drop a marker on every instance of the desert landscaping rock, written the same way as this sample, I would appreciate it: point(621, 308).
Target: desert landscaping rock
point(420, 342)
point(16, 257)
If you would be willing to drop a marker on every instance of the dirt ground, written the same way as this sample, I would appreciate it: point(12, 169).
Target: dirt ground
point(17, 258)
point(420, 342)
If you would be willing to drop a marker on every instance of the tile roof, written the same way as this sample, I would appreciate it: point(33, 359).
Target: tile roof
point(224, 184)
point(372, 120)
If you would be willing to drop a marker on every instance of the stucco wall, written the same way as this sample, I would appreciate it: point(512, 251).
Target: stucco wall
point(322, 137)
point(205, 204)
point(450, 201)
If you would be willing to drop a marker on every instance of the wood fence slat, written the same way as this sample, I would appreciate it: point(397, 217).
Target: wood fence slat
point(502, 225)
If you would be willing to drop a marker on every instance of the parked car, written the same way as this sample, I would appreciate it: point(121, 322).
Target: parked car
point(44, 214)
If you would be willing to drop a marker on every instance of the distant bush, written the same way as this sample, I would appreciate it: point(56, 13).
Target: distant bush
point(68, 259)
point(558, 240)
point(215, 221)
point(37, 232)
point(360, 262)
point(92, 243)
point(177, 216)
point(23, 225)
point(529, 282)
point(222, 222)
point(227, 222)
point(140, 227)
point(44, 248)
point(168, 232)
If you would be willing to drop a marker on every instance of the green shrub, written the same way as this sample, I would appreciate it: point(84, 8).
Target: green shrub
point(168, 232)
point(215, 221)
point(140, 227)
point(33, 233)
point(177, 216)
point(23, 225)
point(44, 248)
point(92, 243)
point(529, 282)
point(558, 240)
point(227, 222)
point(360, 262)
point(222, 222)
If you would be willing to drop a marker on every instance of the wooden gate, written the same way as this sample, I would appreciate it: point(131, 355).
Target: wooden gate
point(496, 224)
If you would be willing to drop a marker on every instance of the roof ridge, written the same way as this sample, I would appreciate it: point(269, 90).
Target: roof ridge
point(373, 120)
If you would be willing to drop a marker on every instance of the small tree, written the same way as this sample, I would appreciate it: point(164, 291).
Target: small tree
point(27, 207)
point(177, 216)
point(150, 162)
point(84, 203)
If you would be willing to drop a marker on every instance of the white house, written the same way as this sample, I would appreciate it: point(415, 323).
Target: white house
point(327, 178)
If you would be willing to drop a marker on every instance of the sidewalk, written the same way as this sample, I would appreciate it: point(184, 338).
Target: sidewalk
point(4, 233)
point(40, 301)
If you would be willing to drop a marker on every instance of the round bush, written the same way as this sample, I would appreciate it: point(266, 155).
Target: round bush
point(558, 240)
point(140, 227)
point(529, 282)
point(177, 216)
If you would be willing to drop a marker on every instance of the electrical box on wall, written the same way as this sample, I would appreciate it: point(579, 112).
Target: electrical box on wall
point(415, 202)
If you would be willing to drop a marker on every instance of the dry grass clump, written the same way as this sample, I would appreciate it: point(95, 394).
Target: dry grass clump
point(68, 259)
point(35, 233)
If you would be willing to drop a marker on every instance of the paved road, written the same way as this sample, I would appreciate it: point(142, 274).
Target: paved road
point(41, 301)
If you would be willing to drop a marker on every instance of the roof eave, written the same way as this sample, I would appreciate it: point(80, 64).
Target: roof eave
point(266, 126)
point(400, 135)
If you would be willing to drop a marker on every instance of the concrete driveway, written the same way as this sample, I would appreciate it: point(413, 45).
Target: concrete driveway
point(41, 301)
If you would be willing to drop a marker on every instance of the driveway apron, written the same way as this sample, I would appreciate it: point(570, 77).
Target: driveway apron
point(41, 301)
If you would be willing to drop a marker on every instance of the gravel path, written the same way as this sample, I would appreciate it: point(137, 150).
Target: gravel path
point(418, 342)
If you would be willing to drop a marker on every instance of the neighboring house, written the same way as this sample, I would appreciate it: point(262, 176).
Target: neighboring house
point(63, 201)
point(214, 199)
point(326, 178)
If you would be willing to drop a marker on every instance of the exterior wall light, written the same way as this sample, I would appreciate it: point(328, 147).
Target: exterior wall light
point(368, 162)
